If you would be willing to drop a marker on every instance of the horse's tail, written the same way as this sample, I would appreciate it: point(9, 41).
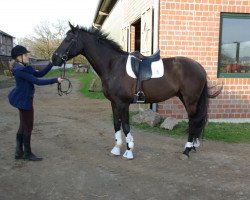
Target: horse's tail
point(216, 93)
point(198, 121)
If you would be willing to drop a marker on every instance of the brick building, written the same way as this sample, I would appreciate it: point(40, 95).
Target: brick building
point(216, 33)
point(6, 44)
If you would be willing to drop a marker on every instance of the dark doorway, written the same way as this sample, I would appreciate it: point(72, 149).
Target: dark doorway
point(137, 35)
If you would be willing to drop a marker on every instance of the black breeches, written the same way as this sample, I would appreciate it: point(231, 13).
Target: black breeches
point(26, 121)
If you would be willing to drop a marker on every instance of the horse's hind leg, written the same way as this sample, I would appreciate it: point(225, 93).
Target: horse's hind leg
point(194, 129)
point(191, 144)
point(197, 115)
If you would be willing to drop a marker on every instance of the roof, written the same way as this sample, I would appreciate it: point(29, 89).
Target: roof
point(6, 34)
point(102, 12)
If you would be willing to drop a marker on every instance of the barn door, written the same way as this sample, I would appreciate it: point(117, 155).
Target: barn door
point(146, 32)
point(125, 38)
point(146, 40)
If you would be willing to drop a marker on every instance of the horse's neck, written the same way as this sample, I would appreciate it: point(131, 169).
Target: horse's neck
point(100, 58)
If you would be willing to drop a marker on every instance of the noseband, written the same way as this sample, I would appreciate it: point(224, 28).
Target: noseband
point(64, 58)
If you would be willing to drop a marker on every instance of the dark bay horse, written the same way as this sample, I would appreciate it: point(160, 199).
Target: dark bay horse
point(183, 77)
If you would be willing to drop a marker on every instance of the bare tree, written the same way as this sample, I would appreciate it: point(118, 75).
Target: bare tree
point(47, 38)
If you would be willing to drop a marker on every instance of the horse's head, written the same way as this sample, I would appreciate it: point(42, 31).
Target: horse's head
point(69, 47)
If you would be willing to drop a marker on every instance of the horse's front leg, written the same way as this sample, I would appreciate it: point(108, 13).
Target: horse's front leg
point(121, 117)
point(116, 151)
point(126, 129)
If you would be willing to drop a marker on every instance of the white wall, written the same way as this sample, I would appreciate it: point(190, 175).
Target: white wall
point(113, 23)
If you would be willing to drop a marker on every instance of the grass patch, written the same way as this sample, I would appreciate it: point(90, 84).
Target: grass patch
point(86, 80)
point(226, 132)
point(177, 132)
point(57, 72)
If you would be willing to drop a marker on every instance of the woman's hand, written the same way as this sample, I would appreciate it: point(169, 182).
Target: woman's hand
point(59, 80)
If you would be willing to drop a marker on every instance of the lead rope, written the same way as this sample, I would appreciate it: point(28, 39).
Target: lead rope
point(59, 85)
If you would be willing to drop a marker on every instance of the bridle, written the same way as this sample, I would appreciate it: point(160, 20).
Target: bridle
point(64, 58)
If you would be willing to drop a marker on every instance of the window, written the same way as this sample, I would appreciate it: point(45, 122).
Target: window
point(234, 46)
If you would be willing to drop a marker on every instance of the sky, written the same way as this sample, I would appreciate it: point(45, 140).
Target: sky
point(233, 29)
point(19, 17)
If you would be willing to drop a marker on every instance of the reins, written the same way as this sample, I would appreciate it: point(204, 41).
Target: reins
point(64, 57)
point(59, 85)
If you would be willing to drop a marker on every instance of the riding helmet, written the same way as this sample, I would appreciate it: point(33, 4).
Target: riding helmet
point(18, 50)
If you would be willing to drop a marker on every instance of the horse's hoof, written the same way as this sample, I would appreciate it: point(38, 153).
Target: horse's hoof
point(124, 158)
point(128, 155)
point(115, 151)
point(184, 157)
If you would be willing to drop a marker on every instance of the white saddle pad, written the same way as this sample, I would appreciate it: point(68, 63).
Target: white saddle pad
point(157, 68)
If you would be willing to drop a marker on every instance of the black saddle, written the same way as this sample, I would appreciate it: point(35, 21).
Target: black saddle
point(141, 66)
point(154, 57)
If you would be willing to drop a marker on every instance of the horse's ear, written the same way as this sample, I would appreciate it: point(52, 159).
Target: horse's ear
point(72, 27)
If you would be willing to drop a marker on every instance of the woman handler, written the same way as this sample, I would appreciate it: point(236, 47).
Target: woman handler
point(21, 97)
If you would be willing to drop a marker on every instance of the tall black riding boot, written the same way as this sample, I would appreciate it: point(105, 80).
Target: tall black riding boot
point(28, 155)
point(19, 146)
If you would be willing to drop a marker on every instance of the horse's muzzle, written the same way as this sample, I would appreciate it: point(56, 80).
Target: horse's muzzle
point(57, 59)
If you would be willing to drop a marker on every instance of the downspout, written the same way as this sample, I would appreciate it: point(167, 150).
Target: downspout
point(156, 35)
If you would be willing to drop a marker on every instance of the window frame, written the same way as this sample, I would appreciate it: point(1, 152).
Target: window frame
point(230, 15)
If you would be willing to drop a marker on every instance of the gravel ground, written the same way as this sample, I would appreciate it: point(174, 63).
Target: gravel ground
point(75, 135)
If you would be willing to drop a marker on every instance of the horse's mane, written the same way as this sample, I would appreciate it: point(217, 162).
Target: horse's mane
point(100, 35)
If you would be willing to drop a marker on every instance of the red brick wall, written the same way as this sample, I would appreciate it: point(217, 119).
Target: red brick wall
point(132, 38)
point(191, 28)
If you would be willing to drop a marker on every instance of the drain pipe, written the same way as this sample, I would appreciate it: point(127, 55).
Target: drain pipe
point(156, 35)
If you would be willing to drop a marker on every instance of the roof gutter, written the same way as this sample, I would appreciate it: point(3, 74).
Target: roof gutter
point(103, 10)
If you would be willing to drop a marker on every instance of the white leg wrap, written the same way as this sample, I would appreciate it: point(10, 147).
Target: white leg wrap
point(196, 142)
point(116, 151)
point(189, 145)
point(128, 155)
point(130, 141)
point(118, 137)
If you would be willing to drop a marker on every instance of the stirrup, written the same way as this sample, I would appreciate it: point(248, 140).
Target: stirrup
point(139, 97)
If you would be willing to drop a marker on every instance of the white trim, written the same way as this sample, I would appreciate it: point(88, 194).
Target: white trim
point(230, 120)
